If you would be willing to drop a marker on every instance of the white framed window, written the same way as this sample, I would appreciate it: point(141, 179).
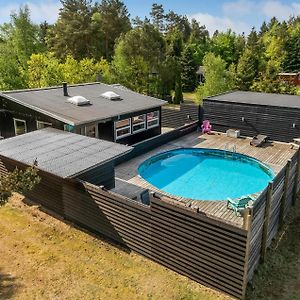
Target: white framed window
point(20, 126)
point(138, 123)
point(122, 128)
point(41, 125)
point(152, 119)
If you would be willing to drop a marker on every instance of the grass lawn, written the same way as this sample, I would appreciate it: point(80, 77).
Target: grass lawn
point(190, 96)
point(279, 277)
point(44, 258)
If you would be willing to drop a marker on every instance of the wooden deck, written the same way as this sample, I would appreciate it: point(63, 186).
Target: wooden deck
point(273, 154)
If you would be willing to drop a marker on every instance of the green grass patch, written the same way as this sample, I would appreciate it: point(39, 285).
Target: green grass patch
point(279, 277)
point(190, 96)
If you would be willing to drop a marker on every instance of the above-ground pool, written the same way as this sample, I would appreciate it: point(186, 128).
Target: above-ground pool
point(205, 174)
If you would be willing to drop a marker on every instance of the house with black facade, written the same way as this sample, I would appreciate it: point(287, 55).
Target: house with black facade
point(109, 112)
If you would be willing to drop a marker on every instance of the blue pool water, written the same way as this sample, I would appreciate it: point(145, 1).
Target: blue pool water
point(205, 174)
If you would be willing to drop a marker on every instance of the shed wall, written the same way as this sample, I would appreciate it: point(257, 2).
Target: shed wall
point(275, 122)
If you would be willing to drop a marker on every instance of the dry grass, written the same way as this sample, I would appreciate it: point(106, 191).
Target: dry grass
point(44, 258)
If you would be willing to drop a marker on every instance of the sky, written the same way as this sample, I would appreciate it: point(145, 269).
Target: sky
point(239, 15)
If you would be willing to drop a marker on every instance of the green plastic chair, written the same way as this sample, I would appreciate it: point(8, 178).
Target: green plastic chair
point(239, 203)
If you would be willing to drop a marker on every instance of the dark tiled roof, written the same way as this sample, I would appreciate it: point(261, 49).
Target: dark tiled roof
point(268, 99)
point(61, 153)
point(50, 101)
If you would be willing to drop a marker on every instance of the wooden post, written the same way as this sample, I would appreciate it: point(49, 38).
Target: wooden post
point(266, 222)
point(295, 191)
point(247, 226)
point(247, 218)
point(285, 191)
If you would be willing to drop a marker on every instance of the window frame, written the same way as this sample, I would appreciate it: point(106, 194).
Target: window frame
point(42, 122)
point(156, 118)
point(139, 123)
point(19, 120)
point(122, 128)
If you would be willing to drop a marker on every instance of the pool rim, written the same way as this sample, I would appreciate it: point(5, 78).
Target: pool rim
point(172, 196)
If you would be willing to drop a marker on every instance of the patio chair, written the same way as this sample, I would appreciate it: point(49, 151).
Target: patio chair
point(206, 126)
point(239, 203)
point(258, 140)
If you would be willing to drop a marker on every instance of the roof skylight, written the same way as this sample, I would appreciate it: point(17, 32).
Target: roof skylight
point(79, 100)
point(111, 95)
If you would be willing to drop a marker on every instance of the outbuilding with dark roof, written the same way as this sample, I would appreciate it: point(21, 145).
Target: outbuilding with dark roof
point(274, 115)
point(61, 157)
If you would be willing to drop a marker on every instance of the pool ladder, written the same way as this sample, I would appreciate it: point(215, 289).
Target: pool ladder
point(230, 147)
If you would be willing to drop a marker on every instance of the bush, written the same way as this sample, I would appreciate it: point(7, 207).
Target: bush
point(18, 181)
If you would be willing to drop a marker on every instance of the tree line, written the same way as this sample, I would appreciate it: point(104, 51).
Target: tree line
point(158, 56)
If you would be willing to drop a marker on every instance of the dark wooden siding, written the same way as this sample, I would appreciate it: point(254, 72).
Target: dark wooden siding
point(149, 144)
point(101, 175)
point(13, 110)
point(206, 250)
point(174, 118)
point(275, 122)
point(47, 193)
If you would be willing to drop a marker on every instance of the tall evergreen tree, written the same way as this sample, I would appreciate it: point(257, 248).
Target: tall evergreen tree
point(173, 56)
point(114, 20)
point(158, 17)
point(247, 69)
point(73, 33)
point(292, 59)
point(263, 29)
point(199, 34)
point(189, 68)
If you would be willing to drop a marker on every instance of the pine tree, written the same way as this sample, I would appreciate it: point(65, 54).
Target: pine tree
point(247, 69)
point(199, 34)
point(73, 32)
point(292, 59)
point(114, 20)
point(263, 29)
point(178, 97)
point(189, 68)
point(157, 14)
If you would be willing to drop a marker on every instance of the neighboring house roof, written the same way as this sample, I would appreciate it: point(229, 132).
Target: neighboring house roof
point(59, 152)
point(52, 102)
point(267, 99)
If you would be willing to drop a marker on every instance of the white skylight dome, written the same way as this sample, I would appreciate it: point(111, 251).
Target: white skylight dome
point(79, 100)
point(111, 95)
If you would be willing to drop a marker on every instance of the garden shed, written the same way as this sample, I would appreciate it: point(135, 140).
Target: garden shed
point(274, 115)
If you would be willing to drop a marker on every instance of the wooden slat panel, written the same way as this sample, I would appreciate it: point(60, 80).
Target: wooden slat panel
point(202, 248)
